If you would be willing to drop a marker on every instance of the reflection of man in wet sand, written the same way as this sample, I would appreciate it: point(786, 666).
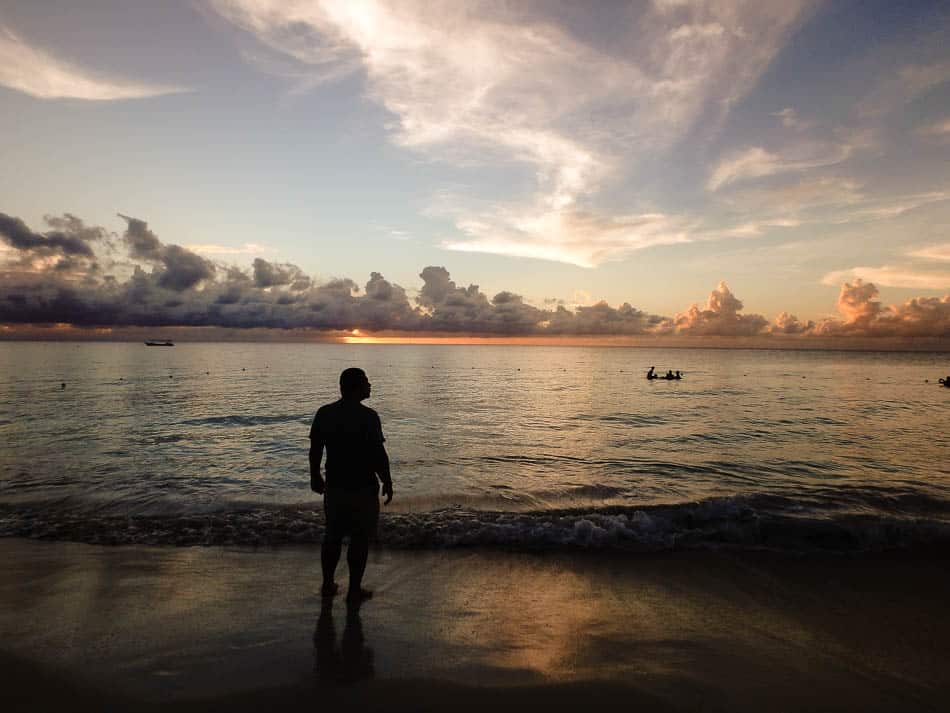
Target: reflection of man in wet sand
point(352, 660)
point(353, 437)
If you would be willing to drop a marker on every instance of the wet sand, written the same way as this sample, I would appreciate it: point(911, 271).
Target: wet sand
point(228, 629)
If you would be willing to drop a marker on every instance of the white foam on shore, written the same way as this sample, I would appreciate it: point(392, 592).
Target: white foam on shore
point(738, 522)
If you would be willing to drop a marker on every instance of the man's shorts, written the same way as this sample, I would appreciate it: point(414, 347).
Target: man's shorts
point(351, 512)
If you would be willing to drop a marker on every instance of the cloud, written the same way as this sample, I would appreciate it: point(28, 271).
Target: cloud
point(168, 285)
point(786, 323)
point(939, 130)
point(757, 162)
point(904, 86)
point(720, 317)
point(447, 307)
point(267, 274)
point(791, 120)
point(820, 201)
point(797, 198)
point(14, 232)
point(864, 315)
point(569, 236)
point(933, 252)
point(143, 243)
point(162, 284)
point(245, 249)
point(178, 269)
point(36, 72)
point(888, 276)
point(857, 303)
point(601, 318)
point(183, 268)
point(891, 206)
point(517, 84)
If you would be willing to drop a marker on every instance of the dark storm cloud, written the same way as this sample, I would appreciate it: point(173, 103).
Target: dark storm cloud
point(143, 243)
point(70, 239)
point(183, 268)
point(180, 268)
point(270, 274)
point(55, 277)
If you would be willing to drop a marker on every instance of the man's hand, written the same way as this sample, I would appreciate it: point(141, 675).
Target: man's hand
point(316, 483)
point(388, 492)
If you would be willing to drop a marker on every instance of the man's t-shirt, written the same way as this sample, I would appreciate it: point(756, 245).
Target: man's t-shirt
point(352, 435)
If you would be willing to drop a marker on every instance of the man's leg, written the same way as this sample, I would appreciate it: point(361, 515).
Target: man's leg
point(329, 557)
point(365, 520)
point(356, 556)
point(332, 542)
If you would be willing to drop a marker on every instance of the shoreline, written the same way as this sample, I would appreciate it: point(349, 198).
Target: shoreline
point(213, 628)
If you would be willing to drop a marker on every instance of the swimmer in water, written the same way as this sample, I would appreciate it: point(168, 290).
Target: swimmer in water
point(678, 375)
point(651, 375)
point(945, 382)
point(669, 375)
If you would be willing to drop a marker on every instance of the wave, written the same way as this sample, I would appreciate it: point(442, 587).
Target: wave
point(741, 522)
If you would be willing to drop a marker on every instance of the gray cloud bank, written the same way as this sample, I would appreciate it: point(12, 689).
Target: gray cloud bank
point(74, 273)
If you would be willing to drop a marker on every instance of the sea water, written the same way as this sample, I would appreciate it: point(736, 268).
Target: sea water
point(519, 446)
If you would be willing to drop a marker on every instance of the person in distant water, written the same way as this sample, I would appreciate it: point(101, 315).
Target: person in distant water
point(353, 438)
point(651, 375)
point(678, 375)
point(945, 382)
point(669, 374)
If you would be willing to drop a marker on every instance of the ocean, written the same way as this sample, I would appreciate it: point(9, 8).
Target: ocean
point(518, 447)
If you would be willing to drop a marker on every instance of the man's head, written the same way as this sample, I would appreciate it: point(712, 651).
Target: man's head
point(354, 384)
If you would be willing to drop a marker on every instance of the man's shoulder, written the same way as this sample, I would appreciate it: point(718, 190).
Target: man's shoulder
point(328, 411)
point(367, 411)
point(342, 410)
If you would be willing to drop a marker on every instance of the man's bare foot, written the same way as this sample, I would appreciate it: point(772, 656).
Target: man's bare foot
point(329, 590)
point(359, 595)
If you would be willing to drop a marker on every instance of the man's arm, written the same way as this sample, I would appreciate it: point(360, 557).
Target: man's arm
point(382, 470)
point(381, 460)
point(317, 484)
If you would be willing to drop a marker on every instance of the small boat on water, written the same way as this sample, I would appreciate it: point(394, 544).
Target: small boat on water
point(163, 343)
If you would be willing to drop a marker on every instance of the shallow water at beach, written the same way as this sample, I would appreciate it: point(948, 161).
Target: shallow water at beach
point(543, 439)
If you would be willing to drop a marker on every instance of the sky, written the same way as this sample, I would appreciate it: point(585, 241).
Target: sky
point(721, 168)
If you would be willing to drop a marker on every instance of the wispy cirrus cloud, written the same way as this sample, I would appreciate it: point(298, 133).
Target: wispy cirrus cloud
point(791, 120)
point(828, 201)
point(34, 71)
point(757, 162)
point(914, 274)
point(905, 85)
point(938, 131)
point(244, 249)
point(891, 276)
point(933, 252)
point(892, 206)
point(831, 174)
point(573, 237)
point(502, 84)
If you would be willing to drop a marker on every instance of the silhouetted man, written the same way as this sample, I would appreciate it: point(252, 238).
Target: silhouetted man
point(353, 437)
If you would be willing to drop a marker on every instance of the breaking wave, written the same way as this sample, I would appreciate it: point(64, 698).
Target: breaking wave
point(742, 522)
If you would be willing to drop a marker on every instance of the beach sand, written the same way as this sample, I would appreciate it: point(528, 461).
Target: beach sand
point(122, 628)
